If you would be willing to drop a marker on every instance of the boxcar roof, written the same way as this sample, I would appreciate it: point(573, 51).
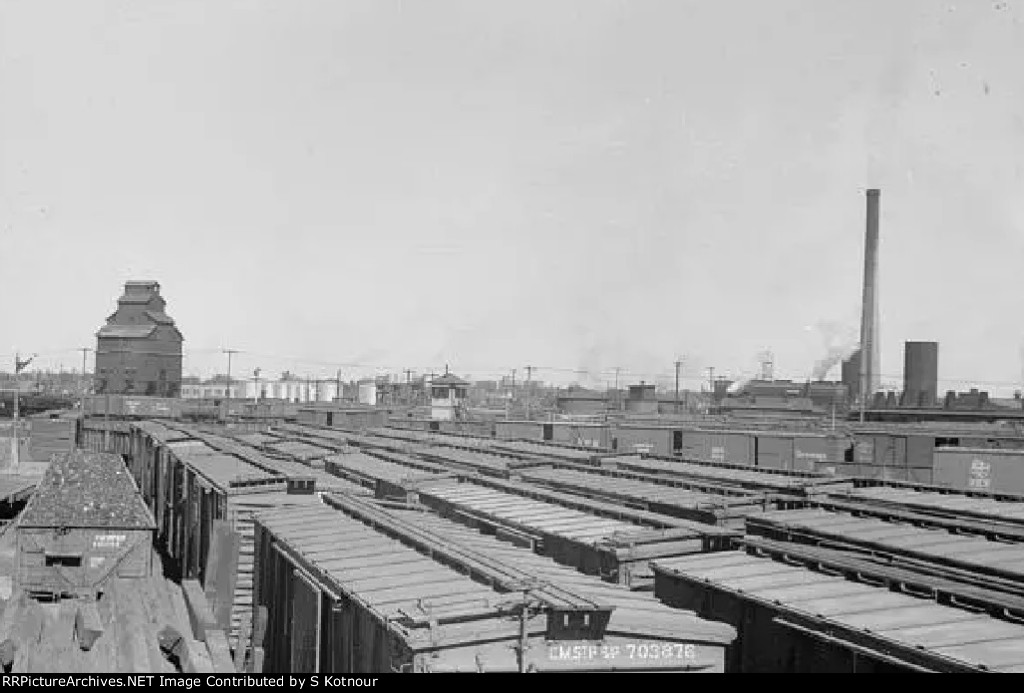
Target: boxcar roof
point(943, 634)
point(87, 489)
point(394, 580)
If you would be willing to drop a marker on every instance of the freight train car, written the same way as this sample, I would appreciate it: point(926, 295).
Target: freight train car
point(342, 417)
point(578, 433)
point(518, 430)
point(357, 589)
point(974, 469)
point(85, 525)
point(806, 609)
point(132, 407)
point(891, 456)
point(189, 484)
point(99, 435)
point(51, 433)
point(657, 440)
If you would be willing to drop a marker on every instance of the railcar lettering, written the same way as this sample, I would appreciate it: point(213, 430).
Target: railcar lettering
point(108, 541)
point(652, 651)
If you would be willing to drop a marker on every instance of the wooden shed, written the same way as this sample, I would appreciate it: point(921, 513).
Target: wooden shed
point(85, 525)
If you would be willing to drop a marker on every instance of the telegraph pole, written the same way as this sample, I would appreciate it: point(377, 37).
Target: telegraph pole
point(19, 365)
point(711, 384)
point(85, 387)
point(230, 353)
point(529, 374)
point(511, 396)
point(678, 364)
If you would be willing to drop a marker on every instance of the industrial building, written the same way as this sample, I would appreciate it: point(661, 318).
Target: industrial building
point(138, 351)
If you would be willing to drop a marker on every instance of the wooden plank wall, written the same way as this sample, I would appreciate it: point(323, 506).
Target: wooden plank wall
point(305, 626)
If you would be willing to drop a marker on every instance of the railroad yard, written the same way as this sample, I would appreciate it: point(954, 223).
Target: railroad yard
point(640, 374)
point(297, 547)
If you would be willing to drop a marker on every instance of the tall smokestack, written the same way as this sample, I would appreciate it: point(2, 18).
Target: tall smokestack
point(870, 378)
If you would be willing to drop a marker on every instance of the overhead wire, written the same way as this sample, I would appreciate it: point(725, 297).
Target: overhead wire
point(596, 373)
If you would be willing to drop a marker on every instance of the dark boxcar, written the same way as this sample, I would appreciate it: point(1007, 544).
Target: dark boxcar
point(640, 439)
point(399, 596)
point(774, 452)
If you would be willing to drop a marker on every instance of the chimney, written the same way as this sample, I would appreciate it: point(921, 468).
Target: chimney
point(869, 352)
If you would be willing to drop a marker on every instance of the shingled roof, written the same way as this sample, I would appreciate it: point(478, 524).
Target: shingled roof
point(126, 331)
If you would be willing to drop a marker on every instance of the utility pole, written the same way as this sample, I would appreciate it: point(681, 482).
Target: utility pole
point(679, 363)
point(85, 387)
point(711, 384)
point(529, 374)
point(19, 366)
point(408, 386)
point(337, 396)
point(511, 396)
point(230, 353)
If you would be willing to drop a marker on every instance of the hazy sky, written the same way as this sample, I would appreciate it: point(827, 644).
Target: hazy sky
point(500, 184)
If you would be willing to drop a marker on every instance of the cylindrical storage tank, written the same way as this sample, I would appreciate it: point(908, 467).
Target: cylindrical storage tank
point(921, 373)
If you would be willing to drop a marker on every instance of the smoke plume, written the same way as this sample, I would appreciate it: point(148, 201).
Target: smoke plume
point(840, 342)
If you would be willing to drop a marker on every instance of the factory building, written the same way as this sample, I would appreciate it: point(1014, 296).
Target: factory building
point(579, 401)
point(138, 351)
point(642, 399)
